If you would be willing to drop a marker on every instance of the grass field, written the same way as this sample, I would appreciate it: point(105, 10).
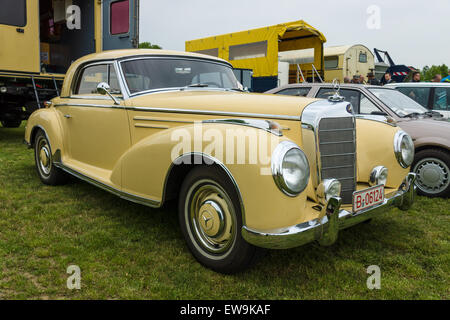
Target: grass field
point(128, 251)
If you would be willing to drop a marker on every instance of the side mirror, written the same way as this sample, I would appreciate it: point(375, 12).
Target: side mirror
point(104, 89)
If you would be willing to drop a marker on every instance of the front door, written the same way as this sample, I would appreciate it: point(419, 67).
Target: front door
point(96, 130)
point(120, 24)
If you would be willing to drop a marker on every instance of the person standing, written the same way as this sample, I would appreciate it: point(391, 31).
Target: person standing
point(415, 77)
point(437, 78)
point(388, 78)
point(372, 80)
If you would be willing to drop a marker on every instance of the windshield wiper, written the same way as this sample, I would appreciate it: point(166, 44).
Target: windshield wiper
point(432, 114)
point(412, 115)
point(197, 85)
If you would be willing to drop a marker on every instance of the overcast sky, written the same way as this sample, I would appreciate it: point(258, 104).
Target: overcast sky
point(414, 32)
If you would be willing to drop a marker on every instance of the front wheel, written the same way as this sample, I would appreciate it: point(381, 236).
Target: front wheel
point(211, 221)
point(48, 173)
point(433, 173)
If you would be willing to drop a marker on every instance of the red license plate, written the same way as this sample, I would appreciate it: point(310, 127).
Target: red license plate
point(368, 197)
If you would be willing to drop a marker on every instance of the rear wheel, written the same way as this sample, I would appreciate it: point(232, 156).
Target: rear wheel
point(211, 221)
point(48, 173)
point(432, 167)
point(11, 123)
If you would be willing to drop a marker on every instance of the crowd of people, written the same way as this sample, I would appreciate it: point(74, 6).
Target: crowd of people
point(388, 78)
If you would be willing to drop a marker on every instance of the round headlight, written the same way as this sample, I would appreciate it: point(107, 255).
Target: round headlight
point(290, 168)
point(403, 148)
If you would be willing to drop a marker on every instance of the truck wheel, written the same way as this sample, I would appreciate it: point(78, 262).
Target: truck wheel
point(433, 173)
point(11, 123)
point(48, 173)
point(211, 221)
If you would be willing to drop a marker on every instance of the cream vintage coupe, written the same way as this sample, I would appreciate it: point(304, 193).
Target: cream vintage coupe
point(153, 125)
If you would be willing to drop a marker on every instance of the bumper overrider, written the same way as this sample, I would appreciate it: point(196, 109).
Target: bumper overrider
point(326, 229)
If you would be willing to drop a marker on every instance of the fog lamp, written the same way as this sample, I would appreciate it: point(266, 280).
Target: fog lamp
point(378, 176)
point(327, 189)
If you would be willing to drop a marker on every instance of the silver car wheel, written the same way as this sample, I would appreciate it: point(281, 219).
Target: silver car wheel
point(210, 219)
point(432, 175)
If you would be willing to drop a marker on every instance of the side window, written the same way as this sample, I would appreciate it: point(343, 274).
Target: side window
point(92, 76)
point(441, 99)
point(299, 92)
point(13, 13)
point(420, 95)
point(120, 17)
point(367, 107)
point(352, 96)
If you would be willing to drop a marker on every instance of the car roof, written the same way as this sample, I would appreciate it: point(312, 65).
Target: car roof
point(419, 84)
point(129, 53)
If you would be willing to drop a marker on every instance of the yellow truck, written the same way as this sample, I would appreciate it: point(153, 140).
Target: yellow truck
point(41, 38)
point(265, 51)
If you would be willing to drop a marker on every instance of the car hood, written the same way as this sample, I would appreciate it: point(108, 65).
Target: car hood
point(427, 131)
point(234, 103)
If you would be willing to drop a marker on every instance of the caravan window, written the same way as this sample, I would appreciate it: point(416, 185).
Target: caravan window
point(120, 17)
point(362, 57)
point(14, 13)
point(248, 50)
point(331, 62)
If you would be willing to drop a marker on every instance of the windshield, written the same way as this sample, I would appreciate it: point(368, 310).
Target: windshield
point(396, 101)
point(167, 73)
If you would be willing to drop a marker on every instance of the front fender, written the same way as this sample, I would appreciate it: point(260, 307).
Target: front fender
point(146, 165)
point(46, 120)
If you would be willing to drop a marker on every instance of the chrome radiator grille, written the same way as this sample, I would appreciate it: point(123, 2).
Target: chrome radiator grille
point(337, 147)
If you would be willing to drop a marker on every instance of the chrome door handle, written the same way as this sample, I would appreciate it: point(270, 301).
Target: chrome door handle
point(68, 116)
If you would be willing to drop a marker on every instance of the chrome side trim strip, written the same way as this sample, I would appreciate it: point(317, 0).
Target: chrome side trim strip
point(141, 125)
point(88, 105)
point(217, 113)
point(186, 111)
point(266, 125)
point(137, 118)
point(124, 195)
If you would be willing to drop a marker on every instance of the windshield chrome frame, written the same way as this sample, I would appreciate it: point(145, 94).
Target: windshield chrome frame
point(157, 90)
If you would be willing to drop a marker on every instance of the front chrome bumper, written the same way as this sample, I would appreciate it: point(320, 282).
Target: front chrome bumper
point(326, 230)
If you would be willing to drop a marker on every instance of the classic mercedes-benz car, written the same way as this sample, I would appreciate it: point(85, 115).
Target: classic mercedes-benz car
point(249, 171)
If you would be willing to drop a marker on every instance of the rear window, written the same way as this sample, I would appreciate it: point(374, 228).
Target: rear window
point(120, 17)
point(13, 13)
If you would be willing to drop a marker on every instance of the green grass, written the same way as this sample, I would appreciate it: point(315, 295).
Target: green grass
point(128, 251)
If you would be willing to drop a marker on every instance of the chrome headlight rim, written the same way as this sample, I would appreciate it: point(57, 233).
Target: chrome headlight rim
point(398, 140)
point(278, 156)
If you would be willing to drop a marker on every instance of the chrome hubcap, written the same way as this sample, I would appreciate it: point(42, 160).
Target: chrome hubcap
point(211, 217)
point(432, 175)
point(44, 157)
